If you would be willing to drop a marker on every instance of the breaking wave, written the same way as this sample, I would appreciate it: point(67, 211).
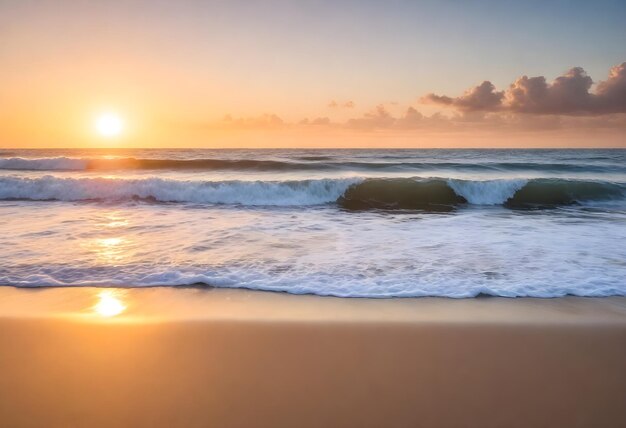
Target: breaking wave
point(349, 193)
point(306, 163)
point(272, 193)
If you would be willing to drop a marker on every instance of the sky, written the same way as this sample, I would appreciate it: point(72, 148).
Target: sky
point(314, 73)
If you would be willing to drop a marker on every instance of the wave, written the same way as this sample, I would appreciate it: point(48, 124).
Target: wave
point(491, 192)
point(44, 164)
point(551, 192)
point(349, 193)
point(443, 195)
point(299, 163)
point(269, 193)
point(400, 193)
point(71, 164)
point(335, 283)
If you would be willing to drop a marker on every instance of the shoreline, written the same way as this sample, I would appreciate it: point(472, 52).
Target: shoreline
point(189, 303)
point(235, 358)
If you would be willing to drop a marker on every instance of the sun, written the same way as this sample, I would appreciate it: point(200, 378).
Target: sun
point(109, 125)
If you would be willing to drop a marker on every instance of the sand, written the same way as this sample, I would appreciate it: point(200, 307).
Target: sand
point(235, 358)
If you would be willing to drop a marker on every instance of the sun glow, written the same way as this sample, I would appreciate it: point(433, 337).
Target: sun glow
point(109, 125)
point(109, 304)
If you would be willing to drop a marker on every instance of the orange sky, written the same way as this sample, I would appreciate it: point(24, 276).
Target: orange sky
point(311, 74)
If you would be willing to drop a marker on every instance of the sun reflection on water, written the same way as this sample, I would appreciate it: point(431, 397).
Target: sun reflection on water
point(110, 250)
point(109, 242)
point(114, 220)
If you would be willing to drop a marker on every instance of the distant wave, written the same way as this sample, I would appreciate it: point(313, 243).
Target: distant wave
point(357, 194)
point(299, 163)
point(44, 164)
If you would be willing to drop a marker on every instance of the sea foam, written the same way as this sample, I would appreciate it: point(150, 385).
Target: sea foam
point(489, 192)
point(282, 193)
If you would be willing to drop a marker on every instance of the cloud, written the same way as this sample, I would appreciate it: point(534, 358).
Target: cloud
point(568, 94)
point(346, 104)
point(498, 121)
point(378, 118)
point(612, 92)
point(411, 119)
point(319, 121)
point(411, 123)
point(267, 120)
point(479, 98)
point(569, 103)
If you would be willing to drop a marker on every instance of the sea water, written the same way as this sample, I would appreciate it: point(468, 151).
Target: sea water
point(351, 223)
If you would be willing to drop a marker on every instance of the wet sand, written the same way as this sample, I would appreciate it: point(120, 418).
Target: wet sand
point(235, 358)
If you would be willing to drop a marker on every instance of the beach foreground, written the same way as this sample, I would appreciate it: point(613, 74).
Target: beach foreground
point(235, 358)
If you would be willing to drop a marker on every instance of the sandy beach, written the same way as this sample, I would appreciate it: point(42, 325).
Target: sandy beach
point(235, 358)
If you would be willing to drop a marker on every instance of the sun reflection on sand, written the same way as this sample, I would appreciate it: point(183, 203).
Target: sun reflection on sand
point(109, 304)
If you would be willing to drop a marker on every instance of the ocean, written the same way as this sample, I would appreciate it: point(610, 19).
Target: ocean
point(349, 223)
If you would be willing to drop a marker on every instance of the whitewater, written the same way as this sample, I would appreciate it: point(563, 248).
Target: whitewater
point(349, 223)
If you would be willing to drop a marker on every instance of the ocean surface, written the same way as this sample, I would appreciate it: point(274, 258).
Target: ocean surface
point(352, 223)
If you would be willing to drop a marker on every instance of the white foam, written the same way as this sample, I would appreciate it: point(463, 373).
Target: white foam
point(489, 192)
point(43, 164)
point(323, 251)
point(276, 193)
